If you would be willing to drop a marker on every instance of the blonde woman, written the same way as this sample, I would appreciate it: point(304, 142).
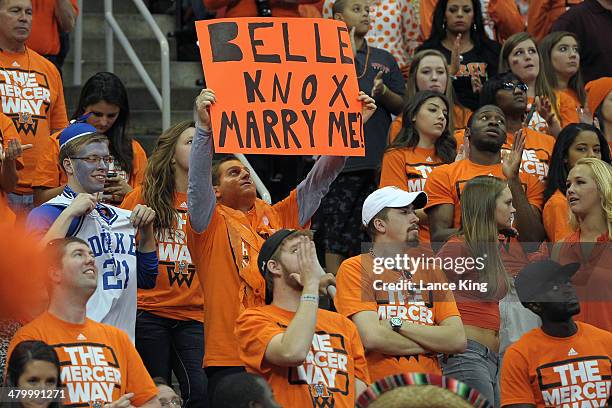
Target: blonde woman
point(589, 193)
point(169, 322)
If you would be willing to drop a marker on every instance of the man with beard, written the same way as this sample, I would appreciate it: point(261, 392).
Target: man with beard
point(563, 362)
point(379, 309)
point(486, 133)
point(309, 356)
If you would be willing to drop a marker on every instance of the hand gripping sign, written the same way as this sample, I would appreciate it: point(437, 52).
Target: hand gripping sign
point(283, 86)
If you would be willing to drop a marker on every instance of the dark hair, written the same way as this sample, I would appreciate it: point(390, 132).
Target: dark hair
point(238, 391)
point(160, 381)
point(470, 121)
point(481, 42)
point(545, 48)
point(218, 160)
point(381, 215)
point(56, 248)
point(338, 6)
point(558, 169)
point(488, 94)
point(599, 115)
point(24, 353)
point(445, 146)
point(107, 87)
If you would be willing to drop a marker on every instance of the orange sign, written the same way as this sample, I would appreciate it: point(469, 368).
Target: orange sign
point(283, 86)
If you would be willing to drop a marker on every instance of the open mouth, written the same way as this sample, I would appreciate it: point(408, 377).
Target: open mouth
point(90, 272)
point(572, 200)
point(529, 66)
point(101, 178)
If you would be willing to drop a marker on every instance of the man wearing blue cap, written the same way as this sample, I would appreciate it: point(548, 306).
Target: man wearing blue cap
point(564, 363)
point(109, 231)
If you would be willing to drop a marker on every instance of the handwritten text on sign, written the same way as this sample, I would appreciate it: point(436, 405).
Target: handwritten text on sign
point(283, 86)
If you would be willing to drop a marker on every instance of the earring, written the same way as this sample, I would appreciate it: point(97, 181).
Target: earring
point(173, 161)
point(474, 26)
point(444, 25)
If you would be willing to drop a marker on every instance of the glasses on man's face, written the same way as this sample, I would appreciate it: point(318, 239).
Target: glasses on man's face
point(95, 159)
point(511, 86)
point(173, 403)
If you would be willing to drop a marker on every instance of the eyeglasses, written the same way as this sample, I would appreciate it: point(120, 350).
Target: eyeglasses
point(174, 403)
point(95, 159)
point(511, 86)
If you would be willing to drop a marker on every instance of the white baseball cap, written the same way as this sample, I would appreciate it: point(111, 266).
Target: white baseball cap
point(390, 197)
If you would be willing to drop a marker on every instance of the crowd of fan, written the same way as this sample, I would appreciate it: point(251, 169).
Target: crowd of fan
point(488, 130)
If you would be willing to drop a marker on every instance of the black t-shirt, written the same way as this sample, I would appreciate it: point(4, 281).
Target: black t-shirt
point(376, 129)
point(482, 61)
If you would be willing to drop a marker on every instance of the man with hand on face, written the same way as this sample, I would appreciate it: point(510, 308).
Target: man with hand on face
point(486, 134)
point(226, 228)
point(564, 362)
point(402, 329)
point(99, 365)
point(110, 231)
point(309, 356)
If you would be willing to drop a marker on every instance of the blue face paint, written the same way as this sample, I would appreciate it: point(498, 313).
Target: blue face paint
point(90, 177)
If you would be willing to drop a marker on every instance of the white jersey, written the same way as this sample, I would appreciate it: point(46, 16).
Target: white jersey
point(112, 238)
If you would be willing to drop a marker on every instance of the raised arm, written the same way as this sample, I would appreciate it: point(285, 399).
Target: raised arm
point(313, 188)
point(290, 349)
point(201, 198)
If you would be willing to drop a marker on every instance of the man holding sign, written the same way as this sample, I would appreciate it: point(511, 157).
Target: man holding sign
point(227, 228)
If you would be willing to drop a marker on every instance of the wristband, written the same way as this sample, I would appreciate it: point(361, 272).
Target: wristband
point(384, 90)
point(309, 298)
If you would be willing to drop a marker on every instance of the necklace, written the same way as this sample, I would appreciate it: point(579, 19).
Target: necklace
point(365, 65)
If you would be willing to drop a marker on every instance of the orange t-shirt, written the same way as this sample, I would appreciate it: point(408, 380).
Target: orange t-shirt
point(592, 281)
point(225, 255)
point(50, 174)
point(327, 376)
point(44, 37)
point(555, 217)
point(98, 362)
point(7, 132)
point(536, 154)
point(177, 293)
point(408, 169)
point(548, 371)
point(446, 182)
point(358, 291)
point(33, 98)
point(568, 105)
point(543, 13)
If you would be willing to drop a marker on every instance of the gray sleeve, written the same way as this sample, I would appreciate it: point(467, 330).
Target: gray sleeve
point(201, 198)
point(316, 184)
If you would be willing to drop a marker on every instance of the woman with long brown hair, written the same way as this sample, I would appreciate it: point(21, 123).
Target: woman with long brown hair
point(487, 238)
point(560, 53)
point(429, 72)
point(169, 322)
